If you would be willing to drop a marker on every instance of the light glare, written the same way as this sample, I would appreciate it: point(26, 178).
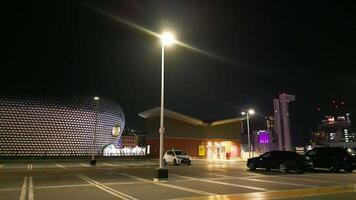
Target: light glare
point(167, 38)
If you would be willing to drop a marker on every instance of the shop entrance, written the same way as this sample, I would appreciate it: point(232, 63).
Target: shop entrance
point(220, 150)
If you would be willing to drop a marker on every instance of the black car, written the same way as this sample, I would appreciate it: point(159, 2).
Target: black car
point(285, 161)
point(333, 158)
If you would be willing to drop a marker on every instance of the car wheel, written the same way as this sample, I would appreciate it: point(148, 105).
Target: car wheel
point(175, 162)
point(348, 168)
point(189, 163)
point(299, 171)
point(252, 166)
point(164, 162)
point(283, 168)
point(335, 167)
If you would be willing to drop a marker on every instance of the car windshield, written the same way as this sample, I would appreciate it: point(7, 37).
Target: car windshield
point(180, 153)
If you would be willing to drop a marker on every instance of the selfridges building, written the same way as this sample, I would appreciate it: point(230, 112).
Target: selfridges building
point(58, 126)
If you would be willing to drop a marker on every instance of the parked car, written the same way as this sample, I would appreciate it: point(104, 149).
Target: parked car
point(333, 158)
point(177, 157)
point(285, 161)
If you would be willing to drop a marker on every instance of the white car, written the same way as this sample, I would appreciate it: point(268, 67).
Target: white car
point(177, 157)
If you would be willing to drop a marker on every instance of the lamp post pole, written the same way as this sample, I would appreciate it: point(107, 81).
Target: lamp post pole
point(161, 128)
point(248, 135)
point(93, 161)
point(166, 39)
point(248, 113)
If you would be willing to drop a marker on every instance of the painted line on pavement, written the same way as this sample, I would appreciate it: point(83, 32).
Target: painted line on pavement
point(312, 179)
point(29, 167)
point(9, 189)
point(106, 188)
point(222, 183)
point(30, 189)
point(84, 165)
point(110, 165)
point(61, 186)
point(277, 182)
point(125, 183)
point(282, 194)
point(234, 177)
point(61, 166)
point(171, 186)
point(23, 189)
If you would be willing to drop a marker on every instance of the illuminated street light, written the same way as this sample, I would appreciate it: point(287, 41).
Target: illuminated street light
point(248, 113)
point(93, 161)
point(166, 40)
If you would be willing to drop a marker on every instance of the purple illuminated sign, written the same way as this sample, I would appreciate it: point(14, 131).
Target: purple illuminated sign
point(263, 137)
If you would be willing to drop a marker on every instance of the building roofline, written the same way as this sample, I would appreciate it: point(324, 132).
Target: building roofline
point(154, 112)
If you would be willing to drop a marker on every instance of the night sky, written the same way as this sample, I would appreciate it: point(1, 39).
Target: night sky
point(306, 48)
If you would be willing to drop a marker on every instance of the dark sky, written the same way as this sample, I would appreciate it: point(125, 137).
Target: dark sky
point(306, 48)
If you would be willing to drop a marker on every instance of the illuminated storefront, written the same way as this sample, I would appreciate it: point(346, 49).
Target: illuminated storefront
point(221, 150)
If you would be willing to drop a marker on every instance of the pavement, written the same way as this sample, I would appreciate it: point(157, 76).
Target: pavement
point(118, 179)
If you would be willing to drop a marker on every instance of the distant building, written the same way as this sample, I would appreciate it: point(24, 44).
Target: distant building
point(129, 139)
point(333, 130)
point(213, 140)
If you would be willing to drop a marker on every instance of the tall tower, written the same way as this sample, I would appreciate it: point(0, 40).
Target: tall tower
point(281, 115)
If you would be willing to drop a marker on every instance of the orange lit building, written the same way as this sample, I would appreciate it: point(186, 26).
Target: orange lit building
point(219, 139)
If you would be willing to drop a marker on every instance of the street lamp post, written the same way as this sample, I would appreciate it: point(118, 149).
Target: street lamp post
point(248, 113)
point(93, 161)
point(166, 40)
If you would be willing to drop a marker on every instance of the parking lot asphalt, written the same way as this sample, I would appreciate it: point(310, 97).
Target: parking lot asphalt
point(134, 180)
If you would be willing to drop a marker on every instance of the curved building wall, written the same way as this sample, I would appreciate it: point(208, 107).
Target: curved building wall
point(50, 126)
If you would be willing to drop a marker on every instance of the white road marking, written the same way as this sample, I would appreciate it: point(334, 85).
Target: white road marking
point(171, 186)
point(30, 189)
point(61, 186)
point(106, 188)
point(234, 177)
point(84, 165)
point(277, 182)
point(9, 189)
point(110, 165)
point(61, 166)
point(23, 189)
point(29, 167)
point(312, 179)
point(222, 183)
